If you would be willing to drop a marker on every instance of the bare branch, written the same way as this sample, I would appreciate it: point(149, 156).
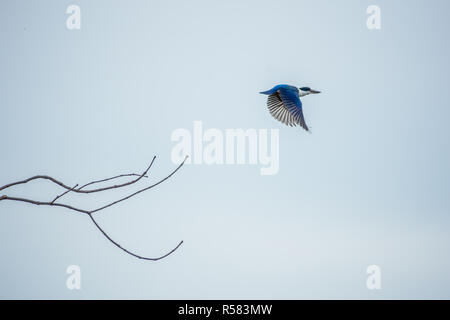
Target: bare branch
point(34, 178)
point(52, 203)
point(90, 212)
point(43, 203)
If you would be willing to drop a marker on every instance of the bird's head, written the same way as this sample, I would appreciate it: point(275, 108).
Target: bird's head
point(304, 91)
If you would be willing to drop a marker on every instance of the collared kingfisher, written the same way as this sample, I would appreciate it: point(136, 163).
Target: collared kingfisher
point(284, 104)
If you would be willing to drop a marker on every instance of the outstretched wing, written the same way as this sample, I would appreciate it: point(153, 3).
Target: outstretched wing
point(285, 106)
point(278, 110)
point(292, 102)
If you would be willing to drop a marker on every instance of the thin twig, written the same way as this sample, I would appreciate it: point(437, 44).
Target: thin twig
point(43, 203)
point(62, 194)
point(129, 252)
point(116, 177)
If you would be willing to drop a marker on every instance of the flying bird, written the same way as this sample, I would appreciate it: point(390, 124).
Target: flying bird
point(284, 104)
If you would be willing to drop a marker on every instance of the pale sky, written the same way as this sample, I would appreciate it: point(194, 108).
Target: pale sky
point(368, 186)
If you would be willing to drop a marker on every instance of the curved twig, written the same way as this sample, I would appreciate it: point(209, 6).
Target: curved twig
point(43, 203)
point(107, 179)
point(128, 251)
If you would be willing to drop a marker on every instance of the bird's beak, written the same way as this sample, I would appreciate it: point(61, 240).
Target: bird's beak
point(314, 91)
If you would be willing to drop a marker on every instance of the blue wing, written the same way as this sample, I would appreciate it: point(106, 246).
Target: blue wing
point(278, 110)
point(285, 106)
